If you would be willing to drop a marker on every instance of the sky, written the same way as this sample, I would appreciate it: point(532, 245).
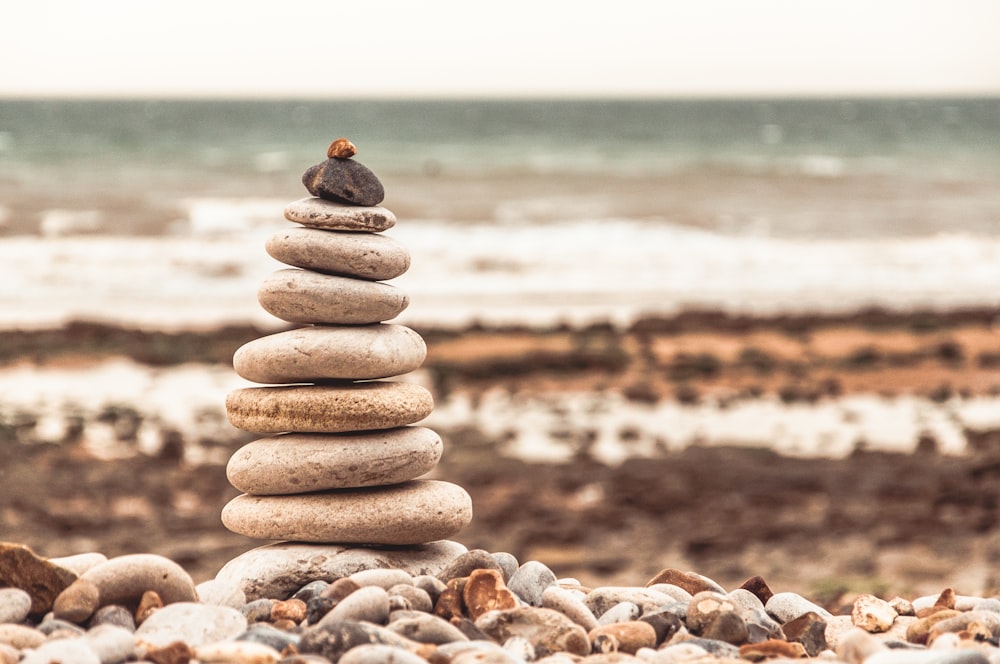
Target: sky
point(514, 48)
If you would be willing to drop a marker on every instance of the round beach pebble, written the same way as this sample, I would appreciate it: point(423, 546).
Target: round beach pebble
point(328, 408)
point(363, 255)
point(319, 353)
point(344, 180)
point(415, 512)
point(297, 462)
point(302, 296)
point(332, 216)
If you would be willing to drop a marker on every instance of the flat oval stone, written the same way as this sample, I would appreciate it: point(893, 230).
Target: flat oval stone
point(302, 296)
point(344, 180)
point(364, 255)
point(328, 408)
point(311, 354)
point(415, 512)
point(299, 462)
point(333, 216)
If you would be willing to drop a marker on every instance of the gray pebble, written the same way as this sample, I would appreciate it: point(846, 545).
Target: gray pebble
point(317, 607)
point(601, 599)
point(427, 628)
point(114, 614)
point(258, 610)
point(619, 613)
point(50, 626)
point(310, 590)
point(717, 648)
point(15, 605)
point(507, 562)
point(269, 635)
point(431, 585)
point(111, 643)
point(785, 607)
point(464, 564)
point(368, 604)
point(221, 593)
point(530, 580)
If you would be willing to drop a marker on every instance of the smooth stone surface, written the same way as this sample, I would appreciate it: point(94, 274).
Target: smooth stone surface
point(21, 636)
point(236, 652)
point(323, 352)
point(344, 180)
point(279, 570)
point(328, 408)
point(113, 644)
point(872, 614)
point(569, 604)
point(218, 593)
point(547, 630)
point(15, 605)
point(368, 604)
point(363, 255)
point(785, 607)
point(302, 296)
point(332, 640)
point(81, 562)
point(21, 568)
point(530, 581)
point(603, 598)
point(415, 512)
point(123, 580)
point(302, 462)
point(315, 212)
point(195, 624)
point(62, 651)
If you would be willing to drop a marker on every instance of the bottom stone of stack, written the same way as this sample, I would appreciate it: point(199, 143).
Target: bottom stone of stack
point(281, 568)
point(413, 512)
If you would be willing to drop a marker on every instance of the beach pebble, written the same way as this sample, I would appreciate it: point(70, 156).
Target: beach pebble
point(311, 590)
point(872, 614)
point(15, 605)
point(9, 654)
point(258, 610)
point(548, 631)
point(772, 649)
point(368, 604)
point(123, 580)
point(464, 564)
point(61, 651)
point(278, 570)
point(758, 586)
point(302, 462)
point(236, 652)
point(946, 598)
point(530, 581)
point(314, 212)
point(627, 637)
point(344, 180)
point(486, 591)
point(427, 628)
point(402, 514)
point(114, 614)
point(508, 563)
point(416, 599)
point(270, 636)
point(328, 408)
point(194, 624)
point(333, 639)
point(363, 255)
point(620, 612)
point(303, 296)
point(809, 629)
point(384, 578)
point(690, 581)
point(789, 606)
point(570, 604)
point(665, 623)
point(21, 568)
point(331, 352)
point(21, 636)
point(670, 589)
point(603, 598)
point(676, 653)
point(218, 593)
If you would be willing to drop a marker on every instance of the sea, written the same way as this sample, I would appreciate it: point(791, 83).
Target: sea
point(154, 214)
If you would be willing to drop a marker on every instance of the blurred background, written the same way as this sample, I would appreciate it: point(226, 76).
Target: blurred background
point(705, 285)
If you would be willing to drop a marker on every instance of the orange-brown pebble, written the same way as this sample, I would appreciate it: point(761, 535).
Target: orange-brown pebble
point(177, 652)
point(289, 609)
point(449, 604)
point(919, 630)
point(486, 591)
point(627, 637)
point(148, 604)
point(693, 583)
point(771, 648)
point(285, 625)
point(946, 599)
point(341, 149)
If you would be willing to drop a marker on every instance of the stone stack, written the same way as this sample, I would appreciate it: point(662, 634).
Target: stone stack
point(342, 457)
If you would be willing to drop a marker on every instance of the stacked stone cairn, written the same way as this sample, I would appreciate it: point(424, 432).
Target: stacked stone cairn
point(342, 457)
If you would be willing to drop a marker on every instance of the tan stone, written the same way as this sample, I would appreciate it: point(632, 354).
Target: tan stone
point(321, 213)
point(364, 255)
point(415, 512)
point(302, 296)
point(626, 637)
point(328, 408)
point(311, 354)
point(21, 568)
point(485, 591)
point(300, 462)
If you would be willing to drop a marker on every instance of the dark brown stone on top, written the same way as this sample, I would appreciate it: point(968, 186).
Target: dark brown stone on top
point(758, 586)
point(693, 583)
point(344, 181)
point(809, 629)
point(21, 568)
